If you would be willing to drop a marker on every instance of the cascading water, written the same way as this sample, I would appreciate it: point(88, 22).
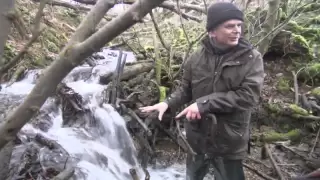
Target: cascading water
point(96, 155)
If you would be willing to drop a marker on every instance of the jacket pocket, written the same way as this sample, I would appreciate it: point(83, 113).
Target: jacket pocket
point(232, 133)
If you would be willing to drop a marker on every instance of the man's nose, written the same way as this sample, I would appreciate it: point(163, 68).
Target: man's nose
point(237, 29)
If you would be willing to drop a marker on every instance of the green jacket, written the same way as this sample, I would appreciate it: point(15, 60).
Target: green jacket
point(227, 85)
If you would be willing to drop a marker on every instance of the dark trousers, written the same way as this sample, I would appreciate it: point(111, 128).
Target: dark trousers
point(198, 167)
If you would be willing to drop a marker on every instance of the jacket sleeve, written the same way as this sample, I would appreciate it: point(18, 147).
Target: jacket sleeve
point(244, 97)
point(183, 93)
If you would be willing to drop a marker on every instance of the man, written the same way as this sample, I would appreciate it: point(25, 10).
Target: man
point(224, 78)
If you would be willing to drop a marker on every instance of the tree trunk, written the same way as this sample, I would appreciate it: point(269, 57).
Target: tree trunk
point(73, 54)
point(6, 7)
point(269, 25)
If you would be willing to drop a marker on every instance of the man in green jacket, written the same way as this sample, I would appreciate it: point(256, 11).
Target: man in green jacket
point(224, 78)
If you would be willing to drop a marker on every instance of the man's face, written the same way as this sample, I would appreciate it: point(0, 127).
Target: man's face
point(227, 33)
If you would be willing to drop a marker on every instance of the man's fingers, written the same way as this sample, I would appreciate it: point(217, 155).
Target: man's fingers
point(147, 108)
point(182, 113)
point(188, 115)
point(160, 115)
point(193, 115)
point(198, 116)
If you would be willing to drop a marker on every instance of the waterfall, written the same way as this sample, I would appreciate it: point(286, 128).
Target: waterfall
point(98, 153)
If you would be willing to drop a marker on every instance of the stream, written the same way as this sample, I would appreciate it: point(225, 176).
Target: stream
point(103, 153)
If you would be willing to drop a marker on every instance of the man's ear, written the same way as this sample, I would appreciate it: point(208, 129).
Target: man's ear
point(212, 34)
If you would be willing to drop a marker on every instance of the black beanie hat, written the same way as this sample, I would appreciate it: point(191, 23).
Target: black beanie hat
point(221, 12)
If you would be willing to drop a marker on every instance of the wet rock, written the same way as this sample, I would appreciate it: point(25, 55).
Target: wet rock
point(79, 73)
point(43, 119)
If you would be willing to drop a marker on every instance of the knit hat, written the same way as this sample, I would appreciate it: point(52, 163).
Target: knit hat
point(220, 12)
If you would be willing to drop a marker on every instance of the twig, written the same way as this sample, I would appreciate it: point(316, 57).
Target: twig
point(159, 32)
point(18, 23)
point(39, 14)
point(191, 151)
point(296, 88)
point(65, 4)
point(264, 176)
point(187, 54)
point(182, 25)
point(273, 162)
point(258, 162)
point(315, 143)
point(136, 117)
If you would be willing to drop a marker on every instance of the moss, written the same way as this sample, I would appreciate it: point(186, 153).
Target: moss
point(314, 21)
point(310, 72)
point(51, 35)
point(311, 7)
point(283, 85)
point(52, 47)
point(315, 91)
point(9, 52)
point(163, 94)
point(298, 110)
point(301, 40)
point(274, 107)
point(273, 136)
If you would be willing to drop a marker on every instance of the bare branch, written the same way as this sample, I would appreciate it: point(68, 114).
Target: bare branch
point(164, 44)
point(39, 14)
point(66, 4)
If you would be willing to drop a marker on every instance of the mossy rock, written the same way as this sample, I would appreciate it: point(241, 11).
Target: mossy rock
point(310, 35)
point(288, 44)
point(292, 135)
point(287, 109)
point(310, 74)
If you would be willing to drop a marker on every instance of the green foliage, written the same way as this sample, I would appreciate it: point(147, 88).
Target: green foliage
point(298, 110)
point(9, 52)
point(283, 85)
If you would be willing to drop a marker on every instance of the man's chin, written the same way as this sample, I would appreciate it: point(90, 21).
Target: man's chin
point(233, 43)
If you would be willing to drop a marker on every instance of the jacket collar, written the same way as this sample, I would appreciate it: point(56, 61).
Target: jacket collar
point(211, 47)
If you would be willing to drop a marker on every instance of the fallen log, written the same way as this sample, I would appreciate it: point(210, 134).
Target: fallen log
point(128, 72)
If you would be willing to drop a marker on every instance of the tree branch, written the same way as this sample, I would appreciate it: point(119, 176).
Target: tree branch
point(164, 44)
point(65, 4)
point(38, 16)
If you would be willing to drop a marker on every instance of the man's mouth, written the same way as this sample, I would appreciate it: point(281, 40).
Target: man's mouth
point(233, 38)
